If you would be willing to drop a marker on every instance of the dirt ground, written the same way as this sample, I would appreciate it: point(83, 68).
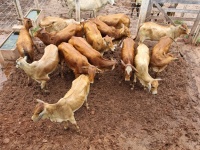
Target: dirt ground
point(118, 119)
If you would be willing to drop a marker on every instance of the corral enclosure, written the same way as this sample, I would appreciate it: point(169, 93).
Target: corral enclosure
point(118, 118)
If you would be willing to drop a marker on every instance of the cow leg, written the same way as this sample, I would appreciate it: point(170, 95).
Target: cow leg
point(43, 86)
point(62, 68)
point(73, 121)
point(43, 83)
point(137, 9)
point(134, 80)
point(132, 86)
point(156, 74)
point(86, 104)
point(66, 125)
point(133, 7)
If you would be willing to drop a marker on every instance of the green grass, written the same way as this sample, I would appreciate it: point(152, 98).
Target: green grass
point(198, 40)
point(34, 30)
point(178, 22)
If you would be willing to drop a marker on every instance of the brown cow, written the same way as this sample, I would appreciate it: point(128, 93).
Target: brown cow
point(61, 36)
point(127, 56)
point(24, 42)
point(111, 31)
point(94, 38)
point(160, 57)
point(77, 62)
point(94, 57)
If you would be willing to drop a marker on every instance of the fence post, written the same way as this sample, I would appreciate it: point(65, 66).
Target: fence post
point(36, 4)
point(77, 11)
point(19, 9)
point(149, 9)
point(143, 12)
point(2, 62)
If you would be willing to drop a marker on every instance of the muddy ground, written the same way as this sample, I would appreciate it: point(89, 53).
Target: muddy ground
point(118, 119)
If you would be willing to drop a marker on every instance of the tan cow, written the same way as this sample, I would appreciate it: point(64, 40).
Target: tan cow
point(55, 24)
point(77, 62)
point(63, 110)
point(115, 20)
point(94, 57)
point(142, 60)
point(61, 36)
point(153, 31)
point(40, 70)
point(127, 57)
point(160, 57)
point(94, 38)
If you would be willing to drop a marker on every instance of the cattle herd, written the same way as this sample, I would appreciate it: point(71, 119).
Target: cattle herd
point(81, 46)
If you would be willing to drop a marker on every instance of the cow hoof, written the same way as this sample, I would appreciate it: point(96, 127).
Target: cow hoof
point(66, 128)
point(47, 91)
point(29, 84)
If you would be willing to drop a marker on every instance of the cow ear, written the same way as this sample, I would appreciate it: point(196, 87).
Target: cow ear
point(182, 26)
point(41, 114)
point(19, 19)
point(99, 70)
point(134, 68)
point(84, 67)
point(40, 101)
point(149, 86)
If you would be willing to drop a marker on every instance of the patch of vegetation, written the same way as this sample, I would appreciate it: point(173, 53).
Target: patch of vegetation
point(34, 30)
point(186, 36)
point(178, 22)
point(198, 40)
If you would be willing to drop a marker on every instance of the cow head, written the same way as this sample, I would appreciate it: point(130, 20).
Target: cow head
point(20, 62)
point(46, 37)
point(79, 29)
point(92, 70)
point(128, 70)
point(39, 111)
point(26, 22)
point(109, 42)
point(153, 86)
point(184, 29)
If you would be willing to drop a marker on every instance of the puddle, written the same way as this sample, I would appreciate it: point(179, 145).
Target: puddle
point(10, 42)
point(4, 74)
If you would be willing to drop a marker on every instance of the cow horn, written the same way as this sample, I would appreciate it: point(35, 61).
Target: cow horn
point(158, 79)
point(122, 62)
point(19, 19)
point(40, 101)
point(149, 86)
point(41, 114)
point(134, 68)
point(99, 70)
point(181, 27)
